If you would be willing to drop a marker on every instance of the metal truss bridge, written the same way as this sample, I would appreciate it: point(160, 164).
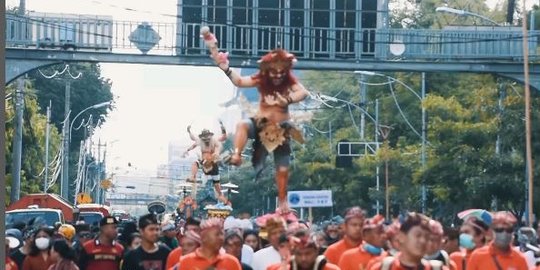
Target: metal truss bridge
point(42, 39)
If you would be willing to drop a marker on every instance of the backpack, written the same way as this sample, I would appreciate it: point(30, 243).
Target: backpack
point(435, 265)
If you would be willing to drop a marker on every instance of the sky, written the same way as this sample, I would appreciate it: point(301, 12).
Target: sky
point(154, 104)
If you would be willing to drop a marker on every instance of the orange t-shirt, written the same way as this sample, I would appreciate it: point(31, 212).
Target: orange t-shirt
point(196, 261)
point(356, 258)
point(461, 258)
point(327, 266)
point(174, 257)
point(333, 253)
point(377, 260)
point(482, 259)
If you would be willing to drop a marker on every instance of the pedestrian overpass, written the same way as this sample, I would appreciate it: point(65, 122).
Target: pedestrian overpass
point(38, 40)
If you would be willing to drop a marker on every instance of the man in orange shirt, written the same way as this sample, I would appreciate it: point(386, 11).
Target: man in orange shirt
point(188, 244)
point(305, 251)
point(208, 255)
point(374, 238)
point(499, 254)
point(413, 237)
point(354, 221)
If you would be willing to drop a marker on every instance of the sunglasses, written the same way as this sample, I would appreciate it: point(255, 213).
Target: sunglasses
point(500, 230)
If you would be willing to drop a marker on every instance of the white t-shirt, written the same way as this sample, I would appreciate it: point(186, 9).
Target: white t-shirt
point(247, 254)
point(264, 258)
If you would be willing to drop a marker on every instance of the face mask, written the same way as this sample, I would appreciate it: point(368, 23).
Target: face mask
point(372, 249)
point(42, 243)
point(466, 241)
point(503, 239)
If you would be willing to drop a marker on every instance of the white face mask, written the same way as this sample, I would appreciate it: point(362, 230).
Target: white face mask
point(42, 243)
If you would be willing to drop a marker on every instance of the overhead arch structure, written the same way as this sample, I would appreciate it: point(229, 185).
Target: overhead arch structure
point(21, 61)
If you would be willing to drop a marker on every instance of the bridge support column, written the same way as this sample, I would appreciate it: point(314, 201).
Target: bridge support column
point(18, 67)
point(534, 80)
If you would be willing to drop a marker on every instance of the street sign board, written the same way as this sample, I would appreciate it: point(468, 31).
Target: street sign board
point(310, 198)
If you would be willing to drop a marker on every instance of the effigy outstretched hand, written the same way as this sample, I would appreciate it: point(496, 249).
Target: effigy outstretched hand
point(221, 58)
point(276, 100)
point(209, 38)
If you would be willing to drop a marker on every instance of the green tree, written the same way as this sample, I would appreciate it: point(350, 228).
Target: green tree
point(33, 146)
point(88, 90)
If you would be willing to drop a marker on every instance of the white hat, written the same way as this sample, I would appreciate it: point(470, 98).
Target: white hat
point(13, 242)
point(231, 223)
point(246, 224)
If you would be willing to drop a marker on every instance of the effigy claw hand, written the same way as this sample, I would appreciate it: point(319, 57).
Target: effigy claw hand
point(209, 38)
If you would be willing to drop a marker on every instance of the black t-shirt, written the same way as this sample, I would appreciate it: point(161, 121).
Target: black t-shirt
point(138, 259)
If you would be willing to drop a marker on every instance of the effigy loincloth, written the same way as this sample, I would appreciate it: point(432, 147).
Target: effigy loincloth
point(271, 137)
point(208, 167)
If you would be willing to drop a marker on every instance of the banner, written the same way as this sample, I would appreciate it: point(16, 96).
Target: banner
point(310, 198)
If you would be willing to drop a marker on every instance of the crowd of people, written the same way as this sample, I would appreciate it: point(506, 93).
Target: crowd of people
point(275, 242)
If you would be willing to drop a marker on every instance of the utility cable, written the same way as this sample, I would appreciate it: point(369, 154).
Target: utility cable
point(401, 111)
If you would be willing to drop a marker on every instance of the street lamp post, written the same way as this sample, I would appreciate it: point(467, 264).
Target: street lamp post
point(385, 133)
point(67, 138)
point(465, 13)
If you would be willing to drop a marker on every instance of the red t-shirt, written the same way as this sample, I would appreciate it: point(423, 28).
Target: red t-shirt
point(483, 259)
point(10, 264)
point(37, 263)
point(98, 256)
point(333, 253)
point(195, 261)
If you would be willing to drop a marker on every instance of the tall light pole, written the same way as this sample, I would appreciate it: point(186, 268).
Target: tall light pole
point(424, 127)
point(64, 183)
point(47, 134)
point(528, 144)
point(64, 179)
point(67, 137)
point(385, 133)
point(17, 142)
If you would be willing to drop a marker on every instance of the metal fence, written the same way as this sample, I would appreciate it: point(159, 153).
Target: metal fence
point(445, 45)
point(102, 33)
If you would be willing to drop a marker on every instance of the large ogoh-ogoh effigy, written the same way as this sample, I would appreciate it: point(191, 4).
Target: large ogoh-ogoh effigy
point(271, 128)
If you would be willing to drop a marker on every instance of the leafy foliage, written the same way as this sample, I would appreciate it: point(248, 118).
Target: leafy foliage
point(88, 90)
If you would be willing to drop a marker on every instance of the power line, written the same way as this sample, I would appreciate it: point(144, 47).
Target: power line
point(400, 111)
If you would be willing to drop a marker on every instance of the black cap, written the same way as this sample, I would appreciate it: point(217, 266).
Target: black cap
point(108, 220)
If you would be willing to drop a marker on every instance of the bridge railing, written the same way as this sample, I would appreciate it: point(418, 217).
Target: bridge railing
point(455, 44)
point(102, 33)
point(44, 30)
